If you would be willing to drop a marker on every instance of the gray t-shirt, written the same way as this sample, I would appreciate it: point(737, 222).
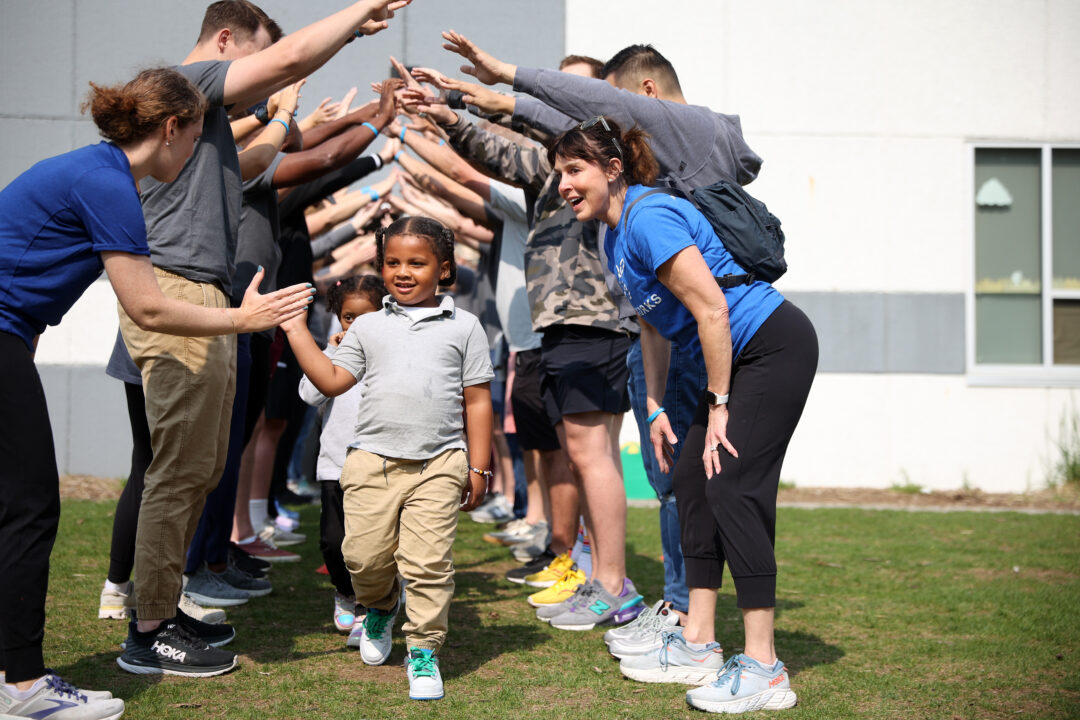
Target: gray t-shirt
point(338, 424)
point(511, 299)
point(257, 237)
point(191, 223)
point(414, 365)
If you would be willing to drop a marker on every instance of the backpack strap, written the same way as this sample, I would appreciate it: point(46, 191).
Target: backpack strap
point(727, 281)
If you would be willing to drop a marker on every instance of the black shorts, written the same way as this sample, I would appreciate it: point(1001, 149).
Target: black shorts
point(534, 428)
point(584, 370)
point(283, 394)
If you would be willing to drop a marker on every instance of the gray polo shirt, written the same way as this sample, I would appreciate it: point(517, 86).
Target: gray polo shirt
point(414, 364)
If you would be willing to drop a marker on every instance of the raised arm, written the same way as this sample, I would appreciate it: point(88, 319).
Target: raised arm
point(299, 54)
point(462, 198)
point(264, 147)
point(446, 161)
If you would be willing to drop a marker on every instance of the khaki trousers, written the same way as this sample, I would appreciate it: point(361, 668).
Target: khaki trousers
point(401, 517)
point(189, 385)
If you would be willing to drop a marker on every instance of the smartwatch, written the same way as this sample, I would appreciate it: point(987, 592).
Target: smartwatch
point(260, 114)
point(715, 399)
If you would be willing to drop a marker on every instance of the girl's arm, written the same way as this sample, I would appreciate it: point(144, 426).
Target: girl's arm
point(655, 355)
point(688, 277)
point(327, 377)
point(478, 425)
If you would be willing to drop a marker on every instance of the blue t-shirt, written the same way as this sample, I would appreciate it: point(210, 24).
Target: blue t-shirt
point(660, 226)
point(55, 220)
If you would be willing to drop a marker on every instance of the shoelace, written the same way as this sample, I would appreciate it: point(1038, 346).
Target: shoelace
point(732, 671)
point(666, 640)
point(423, 665)
point(188, 636)
point(62, 687)
point(582, 596)
point(375, 623)
point(566, 580)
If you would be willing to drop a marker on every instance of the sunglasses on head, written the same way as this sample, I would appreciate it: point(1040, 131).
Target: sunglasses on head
point(603, 123)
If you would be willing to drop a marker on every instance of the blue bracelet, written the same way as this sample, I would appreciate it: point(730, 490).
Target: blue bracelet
point(401, 137)
point(441, 142)
point(358, 34)
point(285, 124)
point(370, 127)
point(397, 155)
point(370, 193)
point(656, 414)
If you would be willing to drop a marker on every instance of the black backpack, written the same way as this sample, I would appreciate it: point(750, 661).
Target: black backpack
point(748, 230)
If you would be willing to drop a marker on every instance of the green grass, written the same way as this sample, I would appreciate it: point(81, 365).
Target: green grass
point(881, 614)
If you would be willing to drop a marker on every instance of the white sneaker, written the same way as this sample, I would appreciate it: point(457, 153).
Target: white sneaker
point(425, 681)
point(56, 699)
point(376, 640)
point(114, 604)
point(645, 619)
point(344, 612)
point(211, 615)
point(281, 538)
point(495, 509)
point(514, 531)
point(743, 685)
point(675, 662)
point(532, 543)
point(649, 635)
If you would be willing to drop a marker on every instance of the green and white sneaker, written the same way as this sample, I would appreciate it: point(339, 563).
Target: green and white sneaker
point(601, 607)
point(744, 685)
point(425, 681)
point(375, 640)
point(675, 662)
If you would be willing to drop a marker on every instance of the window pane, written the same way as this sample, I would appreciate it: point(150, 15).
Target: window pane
point(1007, 227)
point(1008, 274)
point(1008, 329)
point(1067, 332)
point(1066, 220)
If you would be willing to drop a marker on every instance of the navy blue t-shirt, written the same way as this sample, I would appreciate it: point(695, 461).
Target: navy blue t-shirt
point(55, 220)
point(660, 226)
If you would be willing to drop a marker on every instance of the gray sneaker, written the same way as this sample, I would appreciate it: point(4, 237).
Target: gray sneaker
point(209, 588)
point(675, 662)
point(644, 619)
point(743, 685)
point(600, 608)
point(583, 593)
point(243, 581)
point(648, 636)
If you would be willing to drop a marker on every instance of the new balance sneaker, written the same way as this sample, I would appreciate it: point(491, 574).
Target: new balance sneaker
point(743, 685)
point(534, 541)
point(495, 509)
point(602, 608)
point(535, 565)
point(210, 588)
point(115, 603)
point(265, 550)
point(197, 611)
point(240, 580)
point(271, 533)
point(173, 650)
point(631, 628)
point(253, 566)
point(344, 612)
point(648, 635)
point(583, 593)
point(425, 681)
point(376, 641)
point(675, 662)
point(551, 574)
point(54, 698)
point(512, 532)
point(561, 591)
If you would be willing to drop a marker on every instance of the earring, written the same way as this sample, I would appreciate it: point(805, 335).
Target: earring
point(168, 143)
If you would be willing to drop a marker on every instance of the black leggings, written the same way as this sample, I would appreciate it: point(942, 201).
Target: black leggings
point(732, 516)
point(332, 534)
point(29, 510)
point(126, 521)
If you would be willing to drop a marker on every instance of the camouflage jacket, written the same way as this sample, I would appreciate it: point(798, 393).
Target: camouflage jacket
point(564, 276)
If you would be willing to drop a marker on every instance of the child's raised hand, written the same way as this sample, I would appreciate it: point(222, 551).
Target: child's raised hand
point(474, 491)
point(336, 338)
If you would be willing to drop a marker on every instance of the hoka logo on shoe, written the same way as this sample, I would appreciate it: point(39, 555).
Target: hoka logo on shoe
point(776, 680)
point(599, 607)
point(168, 651)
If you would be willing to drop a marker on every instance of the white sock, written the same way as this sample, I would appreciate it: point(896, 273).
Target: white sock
point(257, 510)
point(24, 694)
point(122, 588)
point(700, 647)
point(247, 541)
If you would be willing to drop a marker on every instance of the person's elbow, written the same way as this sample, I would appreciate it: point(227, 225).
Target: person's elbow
point(148, 313)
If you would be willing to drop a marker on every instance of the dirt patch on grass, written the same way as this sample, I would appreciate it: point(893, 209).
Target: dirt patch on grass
point(87, 487)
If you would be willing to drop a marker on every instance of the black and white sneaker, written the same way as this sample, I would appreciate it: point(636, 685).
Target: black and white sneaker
point(173, 650)
point(535, 565)
point(213, 634)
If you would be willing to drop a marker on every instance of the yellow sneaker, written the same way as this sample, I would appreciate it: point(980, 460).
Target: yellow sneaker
point(560, 591)
point(552, 573)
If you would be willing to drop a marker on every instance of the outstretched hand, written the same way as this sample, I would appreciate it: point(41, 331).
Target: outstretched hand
point(262, 312)
point(485, 68)
point(379, 12)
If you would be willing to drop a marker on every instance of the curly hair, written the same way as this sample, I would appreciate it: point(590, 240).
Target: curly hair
point(370, 287)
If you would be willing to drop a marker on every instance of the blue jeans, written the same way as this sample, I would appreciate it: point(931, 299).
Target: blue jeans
point(685, 381)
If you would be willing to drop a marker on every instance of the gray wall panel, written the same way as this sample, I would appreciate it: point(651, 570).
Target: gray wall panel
point(37, 55)
point(887, 332)
point(89, 420)
point(25, 142)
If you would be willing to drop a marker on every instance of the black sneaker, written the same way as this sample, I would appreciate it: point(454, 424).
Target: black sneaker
point(173, 650)
point(253, 566)
point(213, 635)
point(538, 563)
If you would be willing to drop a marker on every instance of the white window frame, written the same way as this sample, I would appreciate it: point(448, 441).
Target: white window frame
point(1045, 374)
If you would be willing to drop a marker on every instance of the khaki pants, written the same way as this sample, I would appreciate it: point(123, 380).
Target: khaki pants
point(401, 517)
point(189, 385)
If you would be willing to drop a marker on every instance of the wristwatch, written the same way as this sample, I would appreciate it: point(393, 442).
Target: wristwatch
point(715, 399)
point(261, 114)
